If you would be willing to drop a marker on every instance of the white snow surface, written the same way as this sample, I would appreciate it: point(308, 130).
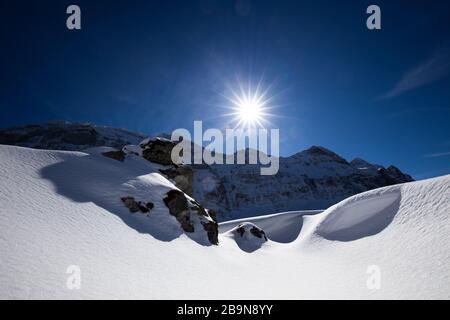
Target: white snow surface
point(59, 209)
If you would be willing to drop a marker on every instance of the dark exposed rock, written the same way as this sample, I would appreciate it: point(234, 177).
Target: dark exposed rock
point(142, 207)
point(179, 207)
point(130, 203)
point(136, 206)
point(209, 224)
point(257, 232)
point(240, 230)
point(213, 214)
point(158, 151)
point(116, 155)
point(182, 208)
point(254, 230)
point(248, 236)
point(195, 206)
point(212, 230)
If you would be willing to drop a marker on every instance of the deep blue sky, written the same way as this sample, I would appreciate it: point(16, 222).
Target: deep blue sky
point(154, 66)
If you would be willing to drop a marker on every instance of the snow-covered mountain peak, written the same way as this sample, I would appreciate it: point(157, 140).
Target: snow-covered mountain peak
point(361, 164)
point(320, 153)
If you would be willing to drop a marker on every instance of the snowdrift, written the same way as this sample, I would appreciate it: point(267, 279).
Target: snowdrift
point(60, 209)
point(280, 227)
point(248, 236)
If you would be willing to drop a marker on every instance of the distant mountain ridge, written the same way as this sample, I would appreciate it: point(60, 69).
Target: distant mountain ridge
point(315, 178)
point(311, 179)
point(63, 135)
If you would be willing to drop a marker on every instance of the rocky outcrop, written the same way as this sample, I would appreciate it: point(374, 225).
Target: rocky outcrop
point(257, 232)
point(179, 208)
point(252, 229)
point(137, 206)
point(158, 150)
point(248, 236)
point(183, 210)
point(212, 231)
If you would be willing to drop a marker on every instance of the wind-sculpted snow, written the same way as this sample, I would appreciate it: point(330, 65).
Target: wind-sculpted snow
point(61, 209)
point(360, 216)
point(280, 227)
point(369, 213)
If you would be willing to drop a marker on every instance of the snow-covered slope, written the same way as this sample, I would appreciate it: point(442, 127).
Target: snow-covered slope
point(59, 209)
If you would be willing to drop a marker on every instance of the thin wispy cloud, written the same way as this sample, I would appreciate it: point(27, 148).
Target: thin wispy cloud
point(437, 154)
point(434, 68)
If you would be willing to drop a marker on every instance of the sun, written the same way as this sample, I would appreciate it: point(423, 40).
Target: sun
point(249, 107)
point(250, 111)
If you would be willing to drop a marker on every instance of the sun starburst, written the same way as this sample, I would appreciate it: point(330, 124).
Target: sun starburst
point(249, 106)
